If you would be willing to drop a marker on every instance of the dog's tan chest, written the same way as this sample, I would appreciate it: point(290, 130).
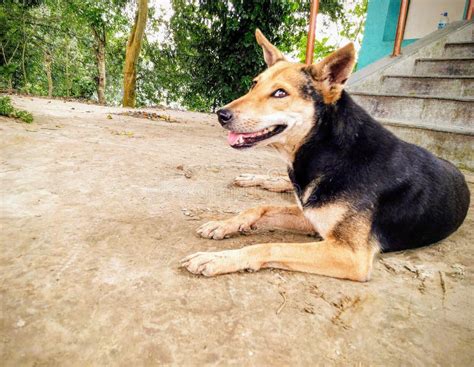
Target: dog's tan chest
point(326, 218)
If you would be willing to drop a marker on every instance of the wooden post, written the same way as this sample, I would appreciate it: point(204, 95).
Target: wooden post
point(402, 19)
point(470, 9)
point(311, 31)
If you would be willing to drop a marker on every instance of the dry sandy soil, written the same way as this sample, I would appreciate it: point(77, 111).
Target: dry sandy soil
point(96, 210)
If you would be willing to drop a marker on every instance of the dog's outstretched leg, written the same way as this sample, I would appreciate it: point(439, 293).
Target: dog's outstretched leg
point(329, 258)
point(262, 217)
point(270, 183)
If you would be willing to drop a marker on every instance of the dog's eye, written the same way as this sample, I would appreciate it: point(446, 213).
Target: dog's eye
point(254, 83)
point(279, 93)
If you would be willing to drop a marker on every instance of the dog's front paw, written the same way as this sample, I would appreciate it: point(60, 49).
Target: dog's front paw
point(214, 263)
point(217, 230)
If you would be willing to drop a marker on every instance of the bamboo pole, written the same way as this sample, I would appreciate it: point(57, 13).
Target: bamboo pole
point(470, 9)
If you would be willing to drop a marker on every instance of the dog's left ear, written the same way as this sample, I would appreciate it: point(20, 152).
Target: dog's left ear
point(332, 72)
point(270, 53)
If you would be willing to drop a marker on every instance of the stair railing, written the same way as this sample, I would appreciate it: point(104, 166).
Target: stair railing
point(311, 31)
point(402, 20)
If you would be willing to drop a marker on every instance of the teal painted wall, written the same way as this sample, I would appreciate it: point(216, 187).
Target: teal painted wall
point(380, 28)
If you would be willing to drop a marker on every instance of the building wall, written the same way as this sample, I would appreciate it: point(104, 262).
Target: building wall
point(382, 18)
point(424, 15)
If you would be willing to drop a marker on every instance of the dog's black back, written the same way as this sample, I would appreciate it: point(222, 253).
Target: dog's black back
point(413, 197)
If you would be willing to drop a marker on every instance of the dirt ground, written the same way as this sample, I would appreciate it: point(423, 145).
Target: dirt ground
point(96, 210)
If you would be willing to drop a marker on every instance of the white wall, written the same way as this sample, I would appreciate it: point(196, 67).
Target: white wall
point(423, 15)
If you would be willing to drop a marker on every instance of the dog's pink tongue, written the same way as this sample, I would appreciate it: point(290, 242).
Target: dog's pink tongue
point(232, 137)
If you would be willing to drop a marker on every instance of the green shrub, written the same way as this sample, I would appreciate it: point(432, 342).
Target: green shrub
point(7, 109)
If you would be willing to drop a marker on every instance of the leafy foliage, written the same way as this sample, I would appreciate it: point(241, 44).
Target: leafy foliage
point(64, 31)
point(201, 58)
point(7, 109)
point(35, 31)
point(322, 48)
point(213, 44)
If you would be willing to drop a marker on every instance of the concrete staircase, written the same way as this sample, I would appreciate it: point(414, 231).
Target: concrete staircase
point(426, 96)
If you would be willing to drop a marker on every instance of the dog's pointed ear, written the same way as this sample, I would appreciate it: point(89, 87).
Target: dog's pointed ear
point(270, 53)
point(332, 72)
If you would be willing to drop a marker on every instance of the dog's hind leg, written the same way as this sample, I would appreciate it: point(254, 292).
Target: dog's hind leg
point(329, 258)
point(267, 182)
point(262, 217)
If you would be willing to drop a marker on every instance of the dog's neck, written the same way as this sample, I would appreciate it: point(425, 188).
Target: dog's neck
point(335, 136)
point(286, 152)
point(322, 128)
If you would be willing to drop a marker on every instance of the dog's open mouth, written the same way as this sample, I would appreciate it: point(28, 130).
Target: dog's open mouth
point(246, 140)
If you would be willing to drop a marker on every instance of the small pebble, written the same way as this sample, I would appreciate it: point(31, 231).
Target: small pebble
point(20, 323)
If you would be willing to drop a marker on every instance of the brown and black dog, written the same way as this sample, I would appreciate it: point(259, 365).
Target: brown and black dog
point(357, 185)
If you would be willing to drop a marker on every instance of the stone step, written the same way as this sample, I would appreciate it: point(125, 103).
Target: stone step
point(447, 85)
point(463, 33)
point(455, 146)
point(459, 49)
point(445, 66)
point(463, 130)
point(442, 111)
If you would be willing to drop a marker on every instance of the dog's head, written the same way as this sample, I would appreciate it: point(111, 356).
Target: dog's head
point(279, 109)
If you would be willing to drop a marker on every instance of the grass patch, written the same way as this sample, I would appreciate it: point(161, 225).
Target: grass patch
point(7, 109)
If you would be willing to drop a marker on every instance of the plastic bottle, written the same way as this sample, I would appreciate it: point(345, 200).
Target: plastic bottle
point(443, 21)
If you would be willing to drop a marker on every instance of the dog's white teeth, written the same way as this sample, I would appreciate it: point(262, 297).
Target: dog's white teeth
point(241, 139)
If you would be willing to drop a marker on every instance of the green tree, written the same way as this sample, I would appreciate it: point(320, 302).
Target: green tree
point(103, 18)
point(201, 58)
point(214, 49)
point(350, 24)
point(13, 34)
point(134, 46)
point(40, 45)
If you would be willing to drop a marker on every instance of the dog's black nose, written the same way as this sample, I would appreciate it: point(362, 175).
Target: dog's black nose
point(224, 116)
